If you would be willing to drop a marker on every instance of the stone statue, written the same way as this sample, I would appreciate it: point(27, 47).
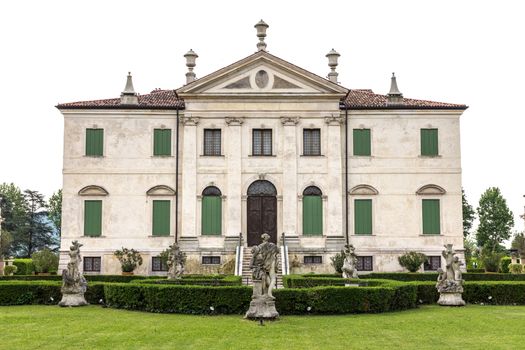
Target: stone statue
point(176, 262)
point(350, 262)
point(450, 283)
point(74, 284)
point(264, 274)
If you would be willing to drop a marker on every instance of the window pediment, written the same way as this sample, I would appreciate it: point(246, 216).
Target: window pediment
point(363, 190)
point(161, 190)
point(93, 190)
point(431, 189)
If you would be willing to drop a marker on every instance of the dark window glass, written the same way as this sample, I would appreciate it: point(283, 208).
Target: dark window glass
point(313, 259)
point(157, 264)
point(262, 142)
point(211, 260)
point(364, 263)
point(212, 142)
point(311, 142)
point(92, 264)
point(433, 263)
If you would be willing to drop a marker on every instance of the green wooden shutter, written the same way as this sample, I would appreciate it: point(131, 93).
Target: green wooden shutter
point(94, 142)
point(162, 142)
point(312, 215)
point(362, 146)
point(92, 218)
point(161, 218)
point(429, 142)
point(431, 221)
point(363, 216)
point(211, 215)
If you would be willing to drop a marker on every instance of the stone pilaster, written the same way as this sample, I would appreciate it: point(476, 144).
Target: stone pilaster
point(189, 177)
point(334, 215)
point(289, 166)
point(234, 154)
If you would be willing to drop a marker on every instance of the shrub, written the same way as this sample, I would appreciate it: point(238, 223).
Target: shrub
point(338, 261)
point(228, 280)
point(21, 293)
point(407, 277)
point(412, 261)
point(45, 261)
point(498, 293)
point(10, 270)
point(491, 260)
point(309, 281)
point(504, 264)
point(516, 268)
point(476, 270)
point(25, 266)
point(129, 259)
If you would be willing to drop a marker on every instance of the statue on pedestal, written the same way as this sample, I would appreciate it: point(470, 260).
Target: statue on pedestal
point(74, 284)
point(350, 262)
point(176, 262)
point(264, 275)
point(450, 282)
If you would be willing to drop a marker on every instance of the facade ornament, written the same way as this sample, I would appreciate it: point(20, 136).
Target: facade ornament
point(395, 96)
point(262, 176)
point(176, 262)
point(332, 56)
point(74, 284)
point(190, 121)
point(234, 121)
point(289, 121)
point(450, 283)
point(261, 34)
point(334, 120)
point(129, 96)
point(350, 262)
point(191, 57)
point(264, 274)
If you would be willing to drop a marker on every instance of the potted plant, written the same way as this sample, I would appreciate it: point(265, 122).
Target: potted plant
point(45, 262)
point(412, 261)
point(129, 260)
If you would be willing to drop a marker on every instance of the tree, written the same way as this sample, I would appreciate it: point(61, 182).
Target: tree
point(519, 243)
point(55, 210)
point(12, 204)
point(495, 220)
point(39, 232)
point(468, 215)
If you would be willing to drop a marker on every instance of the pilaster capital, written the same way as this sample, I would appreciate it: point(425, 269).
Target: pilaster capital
point(234, 121)
point(289, 121)
point(189, 121)
point(334, 120)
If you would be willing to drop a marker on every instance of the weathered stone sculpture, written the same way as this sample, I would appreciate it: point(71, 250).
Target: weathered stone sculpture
point(350, 262)
point(176, 262)
point(74, 284)
point(450, 283)
point(264, 275)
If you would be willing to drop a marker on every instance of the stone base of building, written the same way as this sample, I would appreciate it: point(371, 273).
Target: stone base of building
point(73, 300)
point(451, 299)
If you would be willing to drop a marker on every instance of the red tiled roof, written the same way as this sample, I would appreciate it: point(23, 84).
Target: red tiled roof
point(157, 99)
point(366, 99)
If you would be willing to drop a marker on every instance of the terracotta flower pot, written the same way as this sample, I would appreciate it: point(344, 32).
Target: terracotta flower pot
point(127, 273)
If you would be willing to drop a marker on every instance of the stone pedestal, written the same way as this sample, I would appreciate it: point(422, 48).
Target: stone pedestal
point(451, 299)
point(76, 299)
point(261, 306)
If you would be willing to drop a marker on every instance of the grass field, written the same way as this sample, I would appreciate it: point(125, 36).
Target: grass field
point(429, 327)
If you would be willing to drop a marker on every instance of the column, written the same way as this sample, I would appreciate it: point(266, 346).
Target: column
point(234, 181)
point(289, 164)
point(334, 215)
point(189, 177)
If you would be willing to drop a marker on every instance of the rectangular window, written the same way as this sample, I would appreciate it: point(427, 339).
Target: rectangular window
point(312, 142)
point(362, 145)
point(364, 263)
point(95, 142)
point(212, 142)
point(162, 142)
point(93, 218)
point(433, 263)
point(262, 142)
point(431, 224)
point(429, 142)
point(161, 218)
point(91, 263)
point(211, 260)
point(313, 259)
point(363, 216)
point(158, 265)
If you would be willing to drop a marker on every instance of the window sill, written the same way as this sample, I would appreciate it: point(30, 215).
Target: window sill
point(89, 156)
point(160, 236)
point(162, 156)
point(363, 234)
point(430, 156)
point(212, 155)
point(91, 273)
point(84, 236)
point(360, 156)
point(312, 155)
point(430, 234)
point(262, 155)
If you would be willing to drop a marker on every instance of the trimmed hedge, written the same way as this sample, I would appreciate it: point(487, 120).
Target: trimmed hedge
point(25, 266)
point(309, 281)
point(431, 276)
point(228, 279)
point(201, 281)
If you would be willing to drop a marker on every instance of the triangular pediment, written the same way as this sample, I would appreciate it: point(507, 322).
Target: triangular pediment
point(262, 74)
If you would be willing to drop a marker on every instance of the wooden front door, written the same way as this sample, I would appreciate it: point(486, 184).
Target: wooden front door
point(262, 218)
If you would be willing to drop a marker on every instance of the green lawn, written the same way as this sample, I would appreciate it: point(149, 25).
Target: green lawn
point(429, 327)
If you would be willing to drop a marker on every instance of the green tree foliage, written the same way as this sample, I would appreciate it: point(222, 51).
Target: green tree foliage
point(13, 208)
point(519, 243)
point(468, 215)
point(45, 261)
point(5, 243)
point(55, 210)
point(495, 220)
point(412, 261)
point(338, 261)
point(39, 232)
point(471, 251)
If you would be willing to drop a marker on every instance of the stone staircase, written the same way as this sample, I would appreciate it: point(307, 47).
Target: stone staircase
point(247, 273)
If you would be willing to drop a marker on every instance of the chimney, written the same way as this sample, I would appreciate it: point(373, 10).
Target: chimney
point(395, 96)
point(261, 34)
point(333, 56)
point(190, 63)
point(129, 96)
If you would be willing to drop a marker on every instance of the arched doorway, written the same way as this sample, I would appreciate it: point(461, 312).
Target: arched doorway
point(262, 212)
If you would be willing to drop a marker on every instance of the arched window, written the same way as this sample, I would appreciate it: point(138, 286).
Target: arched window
point(312, 211)
point(211, 215)
point(262, 188)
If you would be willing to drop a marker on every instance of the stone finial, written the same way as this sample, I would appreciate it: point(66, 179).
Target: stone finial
point(394, 96)
point(129, 96)
point(261, 34)
point(190, 56)
point(333, 56)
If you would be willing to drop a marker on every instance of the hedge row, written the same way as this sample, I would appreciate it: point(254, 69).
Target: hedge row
point(431, 276)
point(201, 281)
point(309, 281)
point(119, 278)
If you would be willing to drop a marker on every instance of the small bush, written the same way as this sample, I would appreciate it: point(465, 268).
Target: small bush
point(25, 266)
point(338, 261)
point(516, 268)
point(407, 277)
point(412, 261)
point(10, 270)
point(476, 270)
point(228, 280)
point(45, 261)
point(129, 259)
point(504, 264)
point(491, 260)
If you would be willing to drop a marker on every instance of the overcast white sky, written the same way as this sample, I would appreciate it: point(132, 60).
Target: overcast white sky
point(468, 52)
